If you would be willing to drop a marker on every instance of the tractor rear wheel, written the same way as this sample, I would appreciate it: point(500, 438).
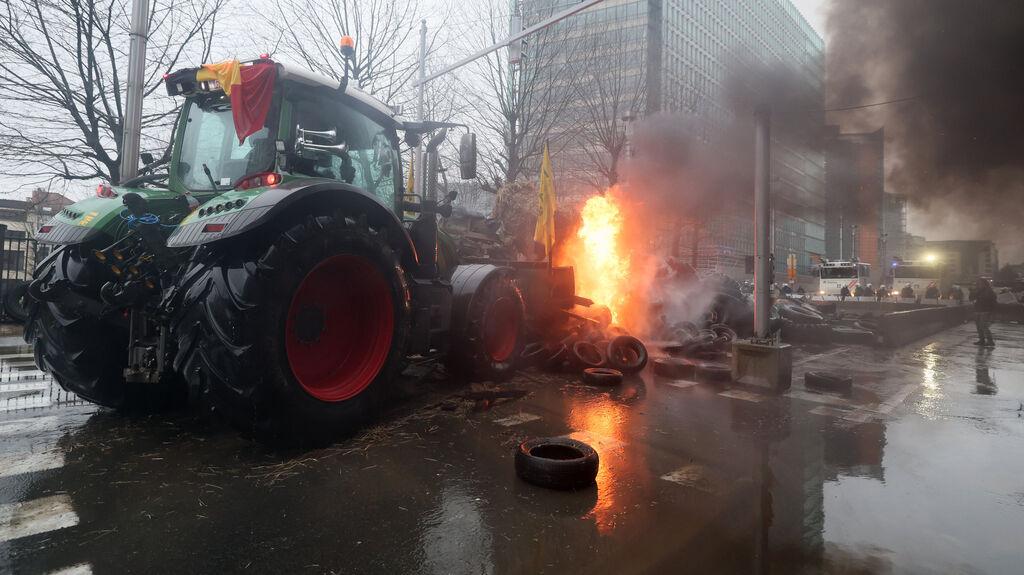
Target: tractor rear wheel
point(295, 337)
point(87, 353)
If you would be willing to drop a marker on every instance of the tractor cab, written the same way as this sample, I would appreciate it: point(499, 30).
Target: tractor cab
point(280, 123)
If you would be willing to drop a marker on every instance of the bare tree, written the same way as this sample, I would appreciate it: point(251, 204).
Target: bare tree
point(611, 83)
point(386, 34)
point(518, 105)
point(62, 81)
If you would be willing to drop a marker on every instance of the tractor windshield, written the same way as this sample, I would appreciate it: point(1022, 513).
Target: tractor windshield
point(210, 139)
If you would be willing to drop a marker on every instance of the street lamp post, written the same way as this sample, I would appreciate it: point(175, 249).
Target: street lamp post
point(132, 128)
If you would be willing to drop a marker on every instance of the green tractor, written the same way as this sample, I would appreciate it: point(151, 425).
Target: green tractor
point(282, 278)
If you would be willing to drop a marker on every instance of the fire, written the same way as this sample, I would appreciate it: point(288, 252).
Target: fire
point(598, 254)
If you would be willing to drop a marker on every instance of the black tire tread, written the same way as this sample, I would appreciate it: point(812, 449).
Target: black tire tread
point(228, 331)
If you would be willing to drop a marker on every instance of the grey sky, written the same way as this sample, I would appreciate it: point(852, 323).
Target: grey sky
point(814, 12)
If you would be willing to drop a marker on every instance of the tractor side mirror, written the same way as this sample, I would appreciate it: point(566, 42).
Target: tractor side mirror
point(412, 205)
point(467, 156)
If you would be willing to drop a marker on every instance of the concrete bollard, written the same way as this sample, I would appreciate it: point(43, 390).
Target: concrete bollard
point(768, 366)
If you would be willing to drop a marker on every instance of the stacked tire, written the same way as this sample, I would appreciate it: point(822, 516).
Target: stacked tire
point(802, 324)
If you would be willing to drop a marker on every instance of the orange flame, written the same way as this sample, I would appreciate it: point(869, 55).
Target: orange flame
point(597, 253)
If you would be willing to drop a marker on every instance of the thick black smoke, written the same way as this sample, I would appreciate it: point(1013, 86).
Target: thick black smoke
point(957, 147)
point(689, 166)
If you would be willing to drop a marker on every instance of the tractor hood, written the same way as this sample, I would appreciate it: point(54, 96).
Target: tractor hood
point(99, 216)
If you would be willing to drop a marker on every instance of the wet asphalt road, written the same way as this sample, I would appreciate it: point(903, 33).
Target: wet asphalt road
point(920, 470)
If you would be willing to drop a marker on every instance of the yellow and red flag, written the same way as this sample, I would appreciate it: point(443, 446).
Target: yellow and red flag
point(545, 230)
point(251, 89)
point(227, 73)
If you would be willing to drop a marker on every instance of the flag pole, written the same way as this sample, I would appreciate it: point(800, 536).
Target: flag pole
point(551, 236)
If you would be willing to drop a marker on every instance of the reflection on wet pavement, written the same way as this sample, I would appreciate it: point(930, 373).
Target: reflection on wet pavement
point(917, 470)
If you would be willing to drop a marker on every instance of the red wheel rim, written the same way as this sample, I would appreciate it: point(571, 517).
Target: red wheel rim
point(501, 329)
point(339, 327)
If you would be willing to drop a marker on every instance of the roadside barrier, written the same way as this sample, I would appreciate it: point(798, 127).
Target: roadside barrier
point(901, 327)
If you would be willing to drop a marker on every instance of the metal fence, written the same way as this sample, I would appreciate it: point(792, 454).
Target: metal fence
point(20, 254)
point(24, 386)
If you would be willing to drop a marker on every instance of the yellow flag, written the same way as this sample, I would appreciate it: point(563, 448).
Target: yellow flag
point(226, 72)
point(545, 231)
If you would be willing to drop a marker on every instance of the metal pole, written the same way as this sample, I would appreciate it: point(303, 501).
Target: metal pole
point(762, 215)
point(133, 101)
point(421, 171)
point(513, 38)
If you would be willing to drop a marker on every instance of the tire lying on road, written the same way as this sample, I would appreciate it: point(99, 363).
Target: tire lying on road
point(674, 367)
point(557, 463)
point(587, 354)
point(86, 352)
point(532, 353)
point(713, 373)
point(602, 376)
point(626, 354)
point(295, 335)
point(824, 381)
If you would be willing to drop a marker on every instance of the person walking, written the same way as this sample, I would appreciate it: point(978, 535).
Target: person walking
point(844, 293)
point(984, 305)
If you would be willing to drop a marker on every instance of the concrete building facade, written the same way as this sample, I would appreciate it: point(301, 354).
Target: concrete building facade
point(856, 200)
point(966, 260)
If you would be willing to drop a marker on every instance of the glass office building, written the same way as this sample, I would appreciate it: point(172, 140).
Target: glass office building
point(685, 51)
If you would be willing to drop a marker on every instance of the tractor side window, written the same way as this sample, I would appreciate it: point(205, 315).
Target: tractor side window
point(371, 149)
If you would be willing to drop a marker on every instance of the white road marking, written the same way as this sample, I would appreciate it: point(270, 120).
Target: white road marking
point(80, 569)
point(37, 516)
point(856, 416)
point(817, 397)
point(681, 383)
point(18, 463)
point(517, 419)
point(28, 425)
point(740, 394)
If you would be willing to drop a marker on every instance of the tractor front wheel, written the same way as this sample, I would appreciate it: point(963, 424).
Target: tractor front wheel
point(87, 353)
point(300, 339)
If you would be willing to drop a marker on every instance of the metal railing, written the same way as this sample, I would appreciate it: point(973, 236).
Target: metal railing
point(17, 262)
point(23, 386)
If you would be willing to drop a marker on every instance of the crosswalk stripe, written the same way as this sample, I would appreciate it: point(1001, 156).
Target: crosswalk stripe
point(740, 394)
point(80, 569)
point(27, 425)
point(41, 515)
point(18, 463)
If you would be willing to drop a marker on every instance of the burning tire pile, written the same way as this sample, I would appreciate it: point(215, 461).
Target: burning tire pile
point(602, 354)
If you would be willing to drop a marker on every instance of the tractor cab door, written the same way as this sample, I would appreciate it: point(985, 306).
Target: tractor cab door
point(340, 142)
